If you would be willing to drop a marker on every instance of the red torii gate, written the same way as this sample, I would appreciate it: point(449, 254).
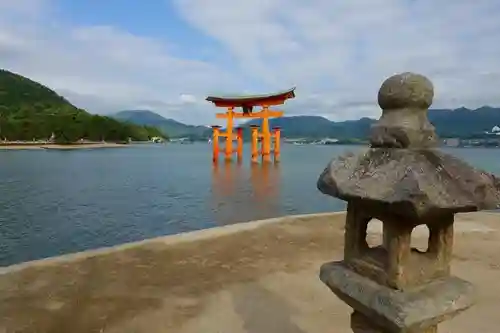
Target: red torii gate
point(247, 104)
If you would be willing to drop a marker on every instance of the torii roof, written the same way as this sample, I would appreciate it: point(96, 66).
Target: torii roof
point(252, 100)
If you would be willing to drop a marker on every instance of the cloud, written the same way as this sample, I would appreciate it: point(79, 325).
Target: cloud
point(188, 98)
point(341, 51)
point(337, 53)
point(105, 69)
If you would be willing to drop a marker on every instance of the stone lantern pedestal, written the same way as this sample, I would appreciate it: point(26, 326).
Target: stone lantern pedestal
point(403, 181)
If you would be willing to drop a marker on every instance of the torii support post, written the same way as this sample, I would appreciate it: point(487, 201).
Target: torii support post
point(247, 104)
point(277, 146)
point(255, 143)
point(239, 140)
point(228, 151)
point(266, 135)
point(215, 143)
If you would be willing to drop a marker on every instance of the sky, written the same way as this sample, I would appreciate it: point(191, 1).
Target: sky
point(168, 55)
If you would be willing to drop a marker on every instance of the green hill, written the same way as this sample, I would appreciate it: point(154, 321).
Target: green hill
point(30, 110)
point(170, 126)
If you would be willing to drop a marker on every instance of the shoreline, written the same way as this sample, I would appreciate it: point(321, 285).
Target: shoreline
point(256, 276)
point(38, 146)
point(174, 239)
point(223, 231)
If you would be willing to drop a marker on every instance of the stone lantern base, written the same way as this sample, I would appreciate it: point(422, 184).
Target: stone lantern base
point(380, 309)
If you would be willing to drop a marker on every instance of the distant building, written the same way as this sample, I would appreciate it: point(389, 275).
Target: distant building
point(328, 141)
point(494, 131)
point(452, 142)
point(156, 139)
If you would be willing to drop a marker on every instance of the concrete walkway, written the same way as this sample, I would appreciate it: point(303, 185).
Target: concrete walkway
point(257, 277)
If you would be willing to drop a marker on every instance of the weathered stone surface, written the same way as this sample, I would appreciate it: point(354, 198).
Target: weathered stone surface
point(398, 312)
point(396, 264)
point(404, 99)
point(406, 90)
point(403, 181)
point(416, 180)
point(410, 182)
point(361, 324)
point(413, 181)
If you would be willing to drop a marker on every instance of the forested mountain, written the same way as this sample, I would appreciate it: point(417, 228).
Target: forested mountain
point(30, 110)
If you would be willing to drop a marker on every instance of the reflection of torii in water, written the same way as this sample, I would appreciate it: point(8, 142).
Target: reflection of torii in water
point(234, 199)
point(265, 181)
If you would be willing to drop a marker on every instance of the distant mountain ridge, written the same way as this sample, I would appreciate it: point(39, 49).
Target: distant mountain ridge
point(461, 122)
point(170, 127)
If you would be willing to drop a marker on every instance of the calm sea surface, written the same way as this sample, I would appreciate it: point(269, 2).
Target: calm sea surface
point(55, 202)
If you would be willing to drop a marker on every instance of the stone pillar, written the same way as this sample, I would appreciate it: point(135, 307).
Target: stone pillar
point(403, 182)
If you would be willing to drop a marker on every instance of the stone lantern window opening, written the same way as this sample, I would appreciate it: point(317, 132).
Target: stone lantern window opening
point(420, 238)
point(374, 235)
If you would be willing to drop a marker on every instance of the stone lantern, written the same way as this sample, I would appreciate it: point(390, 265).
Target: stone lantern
point(403, 181)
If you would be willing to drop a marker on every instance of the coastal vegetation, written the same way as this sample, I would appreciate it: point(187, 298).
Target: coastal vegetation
point(31, 111)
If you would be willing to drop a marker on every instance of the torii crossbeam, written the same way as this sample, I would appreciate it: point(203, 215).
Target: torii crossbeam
point(247, 105)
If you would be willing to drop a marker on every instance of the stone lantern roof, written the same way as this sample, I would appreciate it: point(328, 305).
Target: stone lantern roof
point(403, 171)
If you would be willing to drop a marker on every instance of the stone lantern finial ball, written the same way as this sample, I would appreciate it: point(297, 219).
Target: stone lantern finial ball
point(406, 90)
